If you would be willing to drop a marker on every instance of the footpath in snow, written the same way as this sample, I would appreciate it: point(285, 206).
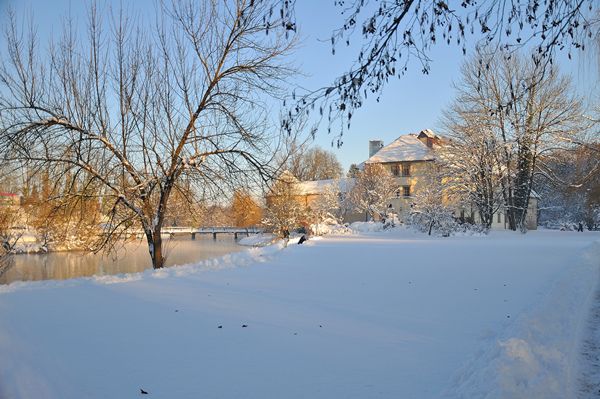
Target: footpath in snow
point(388, 315)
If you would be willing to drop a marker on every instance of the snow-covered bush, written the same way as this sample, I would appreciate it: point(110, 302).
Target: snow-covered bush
point(390, 220)
point(323, 212)
point(366, 227)
point(329, 227)
point(429, 213)
point(433, 219)
point(470, 229)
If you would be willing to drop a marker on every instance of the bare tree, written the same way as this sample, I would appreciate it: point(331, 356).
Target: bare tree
point(518, 113)
point(8, 235)
point(395, 36)
point(285, 209)
point(572, 193)
point(245, 209)
point(372, 190)
point(135, 110)
point(353, 170)
point(312, 163)
point(469, 159)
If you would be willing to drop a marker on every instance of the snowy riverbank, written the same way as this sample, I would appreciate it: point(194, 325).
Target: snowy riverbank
point(389, 314)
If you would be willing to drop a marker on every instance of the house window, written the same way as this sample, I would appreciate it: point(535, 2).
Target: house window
point(406, 191)
point(406, 169)
point(398, 194)
point(499, 217)
point(396, 169)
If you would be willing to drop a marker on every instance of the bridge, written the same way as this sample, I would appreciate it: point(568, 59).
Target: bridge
point(236, 231)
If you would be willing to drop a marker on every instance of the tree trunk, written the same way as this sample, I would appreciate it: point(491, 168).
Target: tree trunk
point(155, 247)
point(510, 211)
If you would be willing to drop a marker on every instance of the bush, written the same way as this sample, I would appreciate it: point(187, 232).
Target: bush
point(438, 221)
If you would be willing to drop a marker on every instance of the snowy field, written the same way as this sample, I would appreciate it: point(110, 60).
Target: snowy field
point(377, 315)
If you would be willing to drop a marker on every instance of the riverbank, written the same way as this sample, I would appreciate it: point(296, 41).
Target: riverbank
point(389, 314)
point(131, 257)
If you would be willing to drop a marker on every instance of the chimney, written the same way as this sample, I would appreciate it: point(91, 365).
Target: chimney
point(374, 146)
point(427, 137)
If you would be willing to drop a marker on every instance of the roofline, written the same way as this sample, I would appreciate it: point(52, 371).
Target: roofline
point(412, 160)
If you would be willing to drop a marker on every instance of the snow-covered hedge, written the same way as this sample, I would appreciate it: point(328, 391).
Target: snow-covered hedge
point(442, 224)
point(438, 222)
point(367, 227)
point(329, 226)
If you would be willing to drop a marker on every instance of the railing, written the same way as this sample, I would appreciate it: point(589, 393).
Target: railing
point(209, 230)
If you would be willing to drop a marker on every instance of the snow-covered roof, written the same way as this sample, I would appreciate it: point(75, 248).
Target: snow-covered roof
point(319, 186)
point(428, 132)
point(404, 148)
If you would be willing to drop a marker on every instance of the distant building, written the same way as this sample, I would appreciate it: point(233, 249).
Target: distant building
point(409, 159)
point(306, 192)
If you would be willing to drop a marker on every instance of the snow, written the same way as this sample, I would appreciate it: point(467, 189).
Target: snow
point(28, 243)
point(404, 148)
point(330, 227)
point(258, 240)
point(344, 185)
point(366, 227)
point(392, 314)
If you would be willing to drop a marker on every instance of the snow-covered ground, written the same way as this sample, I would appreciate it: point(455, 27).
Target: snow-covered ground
point(258, 240)
point(392, 314)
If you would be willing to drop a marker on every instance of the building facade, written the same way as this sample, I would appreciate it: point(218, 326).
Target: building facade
point(411, 160)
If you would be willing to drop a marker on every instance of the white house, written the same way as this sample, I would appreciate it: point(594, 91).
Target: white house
point(409, 159)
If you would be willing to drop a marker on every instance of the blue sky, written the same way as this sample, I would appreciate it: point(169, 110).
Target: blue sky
point(410, 104)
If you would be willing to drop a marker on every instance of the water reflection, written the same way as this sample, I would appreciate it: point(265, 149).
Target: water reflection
point(133, 257)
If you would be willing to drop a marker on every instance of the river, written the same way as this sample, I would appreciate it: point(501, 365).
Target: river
point(131, 258)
